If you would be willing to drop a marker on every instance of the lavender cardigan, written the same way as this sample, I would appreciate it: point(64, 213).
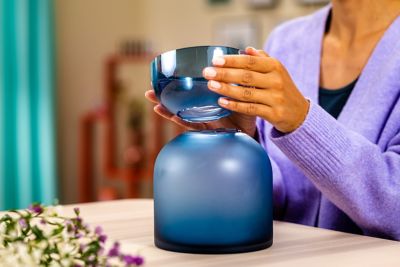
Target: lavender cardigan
point(338, 174)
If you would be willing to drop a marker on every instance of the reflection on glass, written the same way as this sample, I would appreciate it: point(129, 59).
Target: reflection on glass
point(188, 83)
point(218, 52)
point(168, 63)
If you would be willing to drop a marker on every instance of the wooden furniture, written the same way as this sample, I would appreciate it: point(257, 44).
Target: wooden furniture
point(131, 222)
point(105, 114)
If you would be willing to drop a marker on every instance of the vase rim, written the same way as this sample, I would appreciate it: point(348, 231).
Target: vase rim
point(216, 131)
point(196, 47)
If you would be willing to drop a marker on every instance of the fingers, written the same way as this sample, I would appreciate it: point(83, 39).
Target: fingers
point(252, 109)
point(254, 52)
point(253, 62)
point(163, 112)
point(151, 96)
point(243, 77)
point(241, 93)
point(236, 76)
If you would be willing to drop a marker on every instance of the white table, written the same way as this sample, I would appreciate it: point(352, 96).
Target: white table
point(131, 222)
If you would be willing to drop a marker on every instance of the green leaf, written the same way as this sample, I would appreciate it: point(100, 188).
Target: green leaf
point(38, 233)
point(57, 231)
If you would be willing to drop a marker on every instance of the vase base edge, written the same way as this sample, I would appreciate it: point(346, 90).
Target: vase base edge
point(212, 249)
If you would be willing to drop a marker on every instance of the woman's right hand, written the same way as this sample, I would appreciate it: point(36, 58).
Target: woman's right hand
point(245, 123)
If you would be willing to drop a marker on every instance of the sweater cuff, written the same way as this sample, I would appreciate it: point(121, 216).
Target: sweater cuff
point(317, 146)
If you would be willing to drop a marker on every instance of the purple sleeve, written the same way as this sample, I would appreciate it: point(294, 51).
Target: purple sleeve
point(279, 194)
point(354, 173)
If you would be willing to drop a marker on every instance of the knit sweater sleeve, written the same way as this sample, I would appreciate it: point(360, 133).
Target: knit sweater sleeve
point(355, 174)
point(279, 193)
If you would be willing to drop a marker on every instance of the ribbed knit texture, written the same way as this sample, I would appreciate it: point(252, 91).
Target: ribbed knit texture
point(339, 174)
point(318, 137)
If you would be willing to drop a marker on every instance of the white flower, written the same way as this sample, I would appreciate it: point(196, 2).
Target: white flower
point(28, 236)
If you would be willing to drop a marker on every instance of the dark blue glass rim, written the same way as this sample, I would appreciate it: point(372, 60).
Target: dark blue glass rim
point(192, 47)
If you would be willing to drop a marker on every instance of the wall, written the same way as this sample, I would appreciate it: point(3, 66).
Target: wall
point(86, 32)
point(89, 30)
point(191, 23)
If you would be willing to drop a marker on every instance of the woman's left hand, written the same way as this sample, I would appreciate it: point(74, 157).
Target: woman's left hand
point(264, 88)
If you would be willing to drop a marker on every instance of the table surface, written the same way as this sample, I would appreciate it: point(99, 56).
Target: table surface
point(131, 223)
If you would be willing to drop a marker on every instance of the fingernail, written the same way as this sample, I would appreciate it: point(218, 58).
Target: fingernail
point(210, 72)
point(218, 61)
point(215, 85)
point(223, 101)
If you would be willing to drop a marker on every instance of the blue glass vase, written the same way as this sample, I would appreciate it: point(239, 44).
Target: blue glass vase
point(177, 79)
point(213, 193)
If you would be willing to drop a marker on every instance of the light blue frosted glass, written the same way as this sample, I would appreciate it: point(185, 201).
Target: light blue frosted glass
point(179, 84)
point(213, 193)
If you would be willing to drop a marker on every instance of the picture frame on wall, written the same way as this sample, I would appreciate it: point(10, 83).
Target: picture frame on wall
point(238, 32)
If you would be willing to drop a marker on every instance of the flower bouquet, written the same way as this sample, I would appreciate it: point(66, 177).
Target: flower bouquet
point(40, 236)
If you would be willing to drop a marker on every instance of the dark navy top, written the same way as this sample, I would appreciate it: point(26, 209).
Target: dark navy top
point(333, 101)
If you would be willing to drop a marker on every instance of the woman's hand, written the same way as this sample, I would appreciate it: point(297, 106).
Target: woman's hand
point(264, 89)
point(239, 121)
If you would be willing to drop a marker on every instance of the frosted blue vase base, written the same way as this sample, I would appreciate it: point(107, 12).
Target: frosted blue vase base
point(213, 194)
point(212, 249)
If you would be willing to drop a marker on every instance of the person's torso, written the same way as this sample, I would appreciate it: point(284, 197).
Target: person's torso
point(372, 109)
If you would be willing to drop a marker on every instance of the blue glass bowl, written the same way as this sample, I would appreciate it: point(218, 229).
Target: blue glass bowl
point(177, 79)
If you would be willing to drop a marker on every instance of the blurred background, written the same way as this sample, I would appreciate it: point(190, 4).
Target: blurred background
point(74, 124)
